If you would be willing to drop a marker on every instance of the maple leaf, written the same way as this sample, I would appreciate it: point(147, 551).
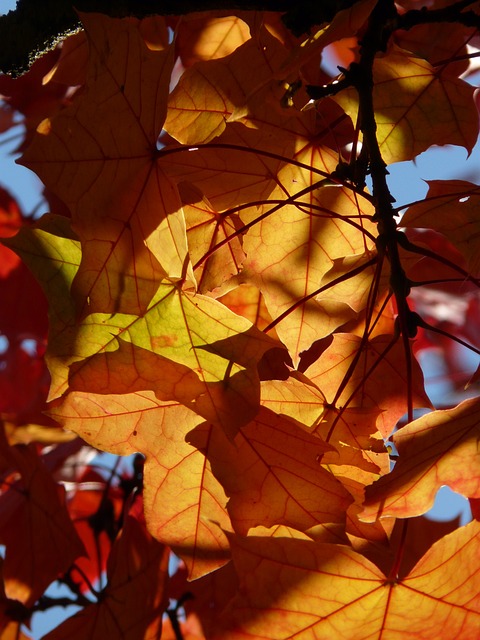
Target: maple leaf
point(203, 600)
point(437, 449)
point(315, 227)
point(437, 42)
point(450, 207)
point(134, 599)
point(203, 36)
point(30, 97)
point(303, 589)
point(45, 543)
point(187, 335)
point(109, 178)
point(184, 504)
point(228, 299)
point(208, 93)
point(295, 398)
point(205, 230)
point(272, 474)
point(416, 106)
point(377, 383)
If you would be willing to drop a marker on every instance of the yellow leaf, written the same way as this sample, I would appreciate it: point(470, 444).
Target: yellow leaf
point(416, 106)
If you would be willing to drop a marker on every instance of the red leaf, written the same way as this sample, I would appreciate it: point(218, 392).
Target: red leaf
point(134, 600)
point(41, 542)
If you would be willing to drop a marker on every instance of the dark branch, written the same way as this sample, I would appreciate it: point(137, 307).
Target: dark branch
point(35, 27)
point(452, 13)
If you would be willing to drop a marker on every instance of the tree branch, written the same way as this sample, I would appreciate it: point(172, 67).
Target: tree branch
point(35, 27)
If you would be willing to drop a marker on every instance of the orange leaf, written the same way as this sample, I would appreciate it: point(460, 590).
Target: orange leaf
point(184, 504)
point(187, 348)
point(213, 93)
point(205, 229)
point(290, 253)
point(98, 156)
point(369, 539)
point(272, 473)
point(233, 170)
point(378, 382)
point(28, 95)
point(294, 398)
point(302, 589)
point(9, 628)
point(357, 443)
point(438, 43)
point(207, 36)
point(247, 301)
point(438, 449)
point(13, 631)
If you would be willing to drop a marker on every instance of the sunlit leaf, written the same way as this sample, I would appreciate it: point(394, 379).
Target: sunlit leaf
point(209, 92)
point(205, 230)
point(272, 474)
point(290, 251)
point(416, 106)
point(203, 36)
point(184, 504)
point(234, 304)
point(297, 588)
point(435, 450)
point(294, 398)
point(180, 337)
point(123, 206)
point(378, 382)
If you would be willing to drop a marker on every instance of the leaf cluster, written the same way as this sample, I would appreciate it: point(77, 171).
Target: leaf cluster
point(235, 300)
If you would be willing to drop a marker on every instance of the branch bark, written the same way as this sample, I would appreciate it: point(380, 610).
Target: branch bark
point(35, 27)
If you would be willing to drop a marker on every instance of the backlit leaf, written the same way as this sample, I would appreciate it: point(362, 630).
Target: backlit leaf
point(123, 206)
point(308, 590)
point(272, 474)
point(203, 36)
point(43, 544)
point(233, 304)
point(416, 106)
point(450, 207)
point(435, 450)
point(205, 229)
point(377, 382)
point(193, 337)
point(184, 504)
point(290, 253)
point(134, 599)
